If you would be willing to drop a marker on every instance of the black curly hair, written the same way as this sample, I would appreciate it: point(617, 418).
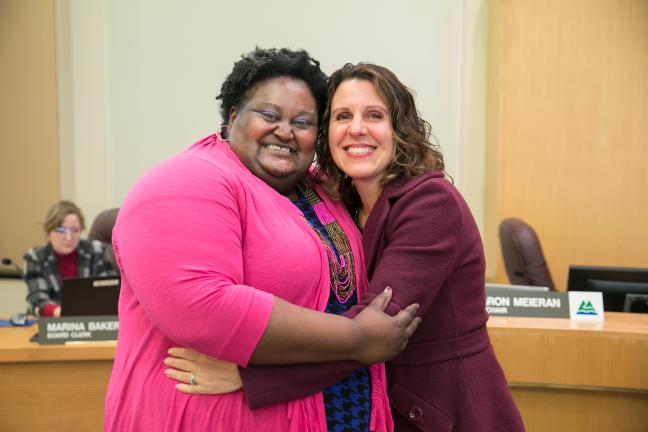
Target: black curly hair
point(264, 64)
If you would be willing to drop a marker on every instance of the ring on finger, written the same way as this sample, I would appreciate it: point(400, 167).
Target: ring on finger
point(192, 380)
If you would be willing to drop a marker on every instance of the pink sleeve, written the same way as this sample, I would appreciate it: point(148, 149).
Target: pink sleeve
point(179, 241)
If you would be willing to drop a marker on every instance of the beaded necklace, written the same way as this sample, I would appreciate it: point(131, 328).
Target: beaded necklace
point(342, 265)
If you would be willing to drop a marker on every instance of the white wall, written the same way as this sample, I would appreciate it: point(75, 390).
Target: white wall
point(138, 77)
point(84, 159)
point(471, 153)
point(12, 297)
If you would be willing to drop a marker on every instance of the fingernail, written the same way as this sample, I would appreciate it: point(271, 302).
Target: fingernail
point(387, 290)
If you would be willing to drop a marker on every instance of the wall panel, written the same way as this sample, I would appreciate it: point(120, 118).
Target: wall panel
point(29, 161)
point(570, 132)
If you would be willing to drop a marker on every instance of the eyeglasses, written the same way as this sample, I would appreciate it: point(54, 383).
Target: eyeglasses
point(64, 230)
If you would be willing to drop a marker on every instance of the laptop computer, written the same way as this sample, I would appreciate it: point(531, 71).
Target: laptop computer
point(82, 296)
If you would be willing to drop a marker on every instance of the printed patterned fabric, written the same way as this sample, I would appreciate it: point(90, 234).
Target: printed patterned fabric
point(348, 402)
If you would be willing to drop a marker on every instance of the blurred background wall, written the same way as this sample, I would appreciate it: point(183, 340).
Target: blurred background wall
point(131, 82)
point(541, 108)
point(568, 129)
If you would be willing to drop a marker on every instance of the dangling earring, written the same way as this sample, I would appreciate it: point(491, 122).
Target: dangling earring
point(221, 130)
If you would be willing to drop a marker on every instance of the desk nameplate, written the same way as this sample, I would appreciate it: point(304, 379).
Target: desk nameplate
point(523, 303)
point(585, 306)
point(77, 329)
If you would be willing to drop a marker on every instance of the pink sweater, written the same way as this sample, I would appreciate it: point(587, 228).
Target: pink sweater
point(203, 245)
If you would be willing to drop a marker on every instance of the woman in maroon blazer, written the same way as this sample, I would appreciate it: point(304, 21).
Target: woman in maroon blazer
point(421, 240)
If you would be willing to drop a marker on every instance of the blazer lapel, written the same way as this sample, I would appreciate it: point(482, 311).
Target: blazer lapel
point(372, 236)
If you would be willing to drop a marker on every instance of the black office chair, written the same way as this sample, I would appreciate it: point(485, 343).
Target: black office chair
point(525, 263)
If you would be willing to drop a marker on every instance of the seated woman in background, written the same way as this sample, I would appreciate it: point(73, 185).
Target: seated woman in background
point(65, 255)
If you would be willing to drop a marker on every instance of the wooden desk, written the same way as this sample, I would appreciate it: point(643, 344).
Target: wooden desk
point(563, 378)
point(584, 378)
point(51, 387)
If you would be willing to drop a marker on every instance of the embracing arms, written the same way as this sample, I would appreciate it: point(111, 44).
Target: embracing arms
point(422, 234)
point(179, 242)
point(295, 334)
point(217, 377)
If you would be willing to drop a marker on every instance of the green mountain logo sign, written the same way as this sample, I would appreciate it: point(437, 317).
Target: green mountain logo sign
point(586, 308)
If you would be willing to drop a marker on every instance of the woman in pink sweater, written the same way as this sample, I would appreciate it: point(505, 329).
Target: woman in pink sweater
point(230, 249)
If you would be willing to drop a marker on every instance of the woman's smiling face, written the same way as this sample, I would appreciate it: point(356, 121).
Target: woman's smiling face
point(274, 131)
point(360, 132)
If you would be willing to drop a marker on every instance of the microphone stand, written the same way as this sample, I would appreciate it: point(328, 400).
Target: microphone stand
point(19, 319)
point(9, 262)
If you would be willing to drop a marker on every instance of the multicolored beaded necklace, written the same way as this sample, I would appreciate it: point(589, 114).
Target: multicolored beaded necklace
point(342, 265)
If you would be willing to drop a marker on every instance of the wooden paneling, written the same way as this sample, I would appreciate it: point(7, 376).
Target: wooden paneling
point(29, 160)
point(563, 377)
point(566, 377)
point(52, 387)
point(558, 410)
point(53, 396)
point(555, 352)
point(568, 129)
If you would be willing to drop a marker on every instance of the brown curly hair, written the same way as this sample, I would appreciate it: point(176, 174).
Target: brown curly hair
point(415, 153)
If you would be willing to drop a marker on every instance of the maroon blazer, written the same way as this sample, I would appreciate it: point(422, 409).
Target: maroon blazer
point(421, 240)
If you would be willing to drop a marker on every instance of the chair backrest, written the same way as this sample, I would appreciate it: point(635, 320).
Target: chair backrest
point(525, 263)
point(101, 230)
point(102, 226)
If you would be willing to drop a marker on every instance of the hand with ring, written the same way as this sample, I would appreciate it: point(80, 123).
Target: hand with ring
point(197, 373)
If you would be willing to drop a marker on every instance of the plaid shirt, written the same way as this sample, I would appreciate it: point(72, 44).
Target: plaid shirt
point(42, 275)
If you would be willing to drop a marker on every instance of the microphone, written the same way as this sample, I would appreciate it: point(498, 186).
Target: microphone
point(8, 262)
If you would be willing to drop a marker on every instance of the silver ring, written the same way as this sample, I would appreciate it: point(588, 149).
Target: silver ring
point(192, 381)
